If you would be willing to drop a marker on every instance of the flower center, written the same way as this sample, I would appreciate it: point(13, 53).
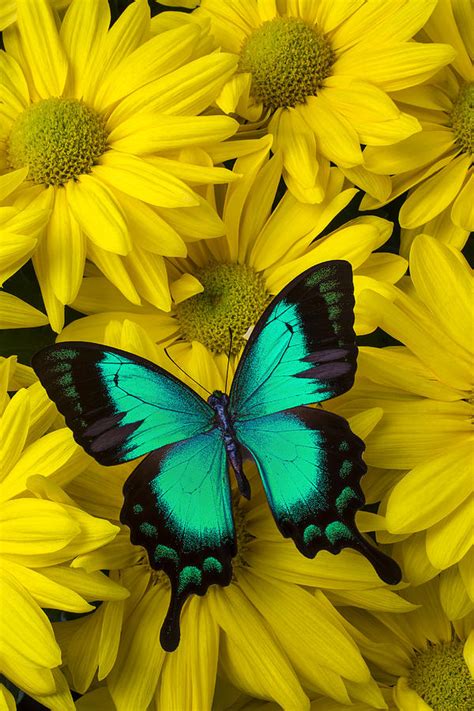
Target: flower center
point(234, 296)
point(441, 677)
point(58, 139)
point(288, 60)
point(462, 118)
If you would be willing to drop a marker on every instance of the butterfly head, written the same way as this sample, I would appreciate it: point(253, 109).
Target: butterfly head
point(218, 399)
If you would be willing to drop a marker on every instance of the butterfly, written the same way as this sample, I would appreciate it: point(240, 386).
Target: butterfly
point(177, 502)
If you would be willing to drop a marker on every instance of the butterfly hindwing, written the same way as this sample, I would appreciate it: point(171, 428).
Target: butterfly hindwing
point(178, 507)
point(303, 348)
point(310, 464)
point(118, 405)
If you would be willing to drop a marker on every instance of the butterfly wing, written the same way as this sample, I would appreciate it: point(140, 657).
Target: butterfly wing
point(310, 464)
point(302, 349)
point(178, 506)
point(118, 405)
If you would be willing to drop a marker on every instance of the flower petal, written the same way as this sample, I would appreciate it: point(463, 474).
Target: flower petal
point(11, 180)
point(112, 266)
point(434, 194)
point(48, 593)
point(463, 209)
point(149, 275)
point(132, 683)
point(15, 424)
point(336, 138)
point(254, 662)
point(65, 250)
point(144, 181)
point(15, 313)
point(42, 47)
point(442, 484)
point(449, 540)
point(99, 214)
point(195, 659)
point(35, 527)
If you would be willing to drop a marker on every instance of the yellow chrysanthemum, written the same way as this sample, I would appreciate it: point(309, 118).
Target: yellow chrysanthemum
point(41, 530)
point(317, 76)
point(435, 164)
point(267, 607)
point(421, 452)
point(99, 126)
point(228, 281)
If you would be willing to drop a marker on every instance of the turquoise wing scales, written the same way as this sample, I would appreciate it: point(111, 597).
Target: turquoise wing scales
point(303, 351)
point(178, 507)
point(118, 405)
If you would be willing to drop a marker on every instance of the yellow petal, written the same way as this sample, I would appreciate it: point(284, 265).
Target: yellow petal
point(110, 637)
point(196, 660)
point(445, 285)
point(357, 99)
point(65, 250)
point(15, 423)
point(15, 250)
point(410, 154)
point(160, 55)
point(453, 594)
point(442, 484)
point(91, 586)
point(297, 143)
point(412, 558)
point(144, 181)
point(61, 700)
point(450, 539)
point(54, 308)
point(463, 209)
point(27, 635)
point(112, 266)
point(149, 275)
point(83, 33)
point(131, 683)
point(15, 313)
point(11, 180)
point(337, 140)
point(267, 675)
point(98, 213)
point(48, 593)
point(384, 266)
point(114, 556)
point(56, 454)
point(7, 700)
point(42, 47)
point(363, 423)
point(406, 698)
point(434, 194)
point(305, 624)
point(378, 186)
point(150, 133)
point(31, 526)
point(185, 287)
point(468, 652)
point(394, 65)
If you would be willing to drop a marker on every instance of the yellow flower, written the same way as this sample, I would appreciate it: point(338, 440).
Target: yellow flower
point(99, 127)
point(435, 164)
point(227, 282)
point(426, 659)
point(257, 631)
point(41, 530)
point(421, 452)
point(317, 76)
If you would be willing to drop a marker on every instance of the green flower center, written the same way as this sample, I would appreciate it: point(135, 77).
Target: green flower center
point(442, 679)
point(288, 60)
point(462, 119)
point(234, 296)
point(58, 139)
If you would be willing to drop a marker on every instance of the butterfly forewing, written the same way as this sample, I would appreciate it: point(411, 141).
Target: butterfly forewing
point(302, 349)
point(118, 405)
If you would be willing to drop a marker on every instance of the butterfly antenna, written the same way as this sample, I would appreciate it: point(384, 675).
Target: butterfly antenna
point(228, 359)
point(186, 374)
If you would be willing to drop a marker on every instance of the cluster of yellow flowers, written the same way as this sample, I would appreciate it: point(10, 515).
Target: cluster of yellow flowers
point(166, 176)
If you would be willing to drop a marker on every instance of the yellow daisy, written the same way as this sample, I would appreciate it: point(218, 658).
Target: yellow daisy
point(317, 75)
point(41, 530)
point(258, 630)
point(228, 281)
point(423, 660)
point(421, 452)
point(435, 165)
point(99, 126)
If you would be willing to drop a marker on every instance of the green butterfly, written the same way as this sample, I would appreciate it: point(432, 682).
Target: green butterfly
point(177, 502)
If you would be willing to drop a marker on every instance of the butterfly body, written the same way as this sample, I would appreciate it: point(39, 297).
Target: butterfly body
point(177, 502)
point(219, 401)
